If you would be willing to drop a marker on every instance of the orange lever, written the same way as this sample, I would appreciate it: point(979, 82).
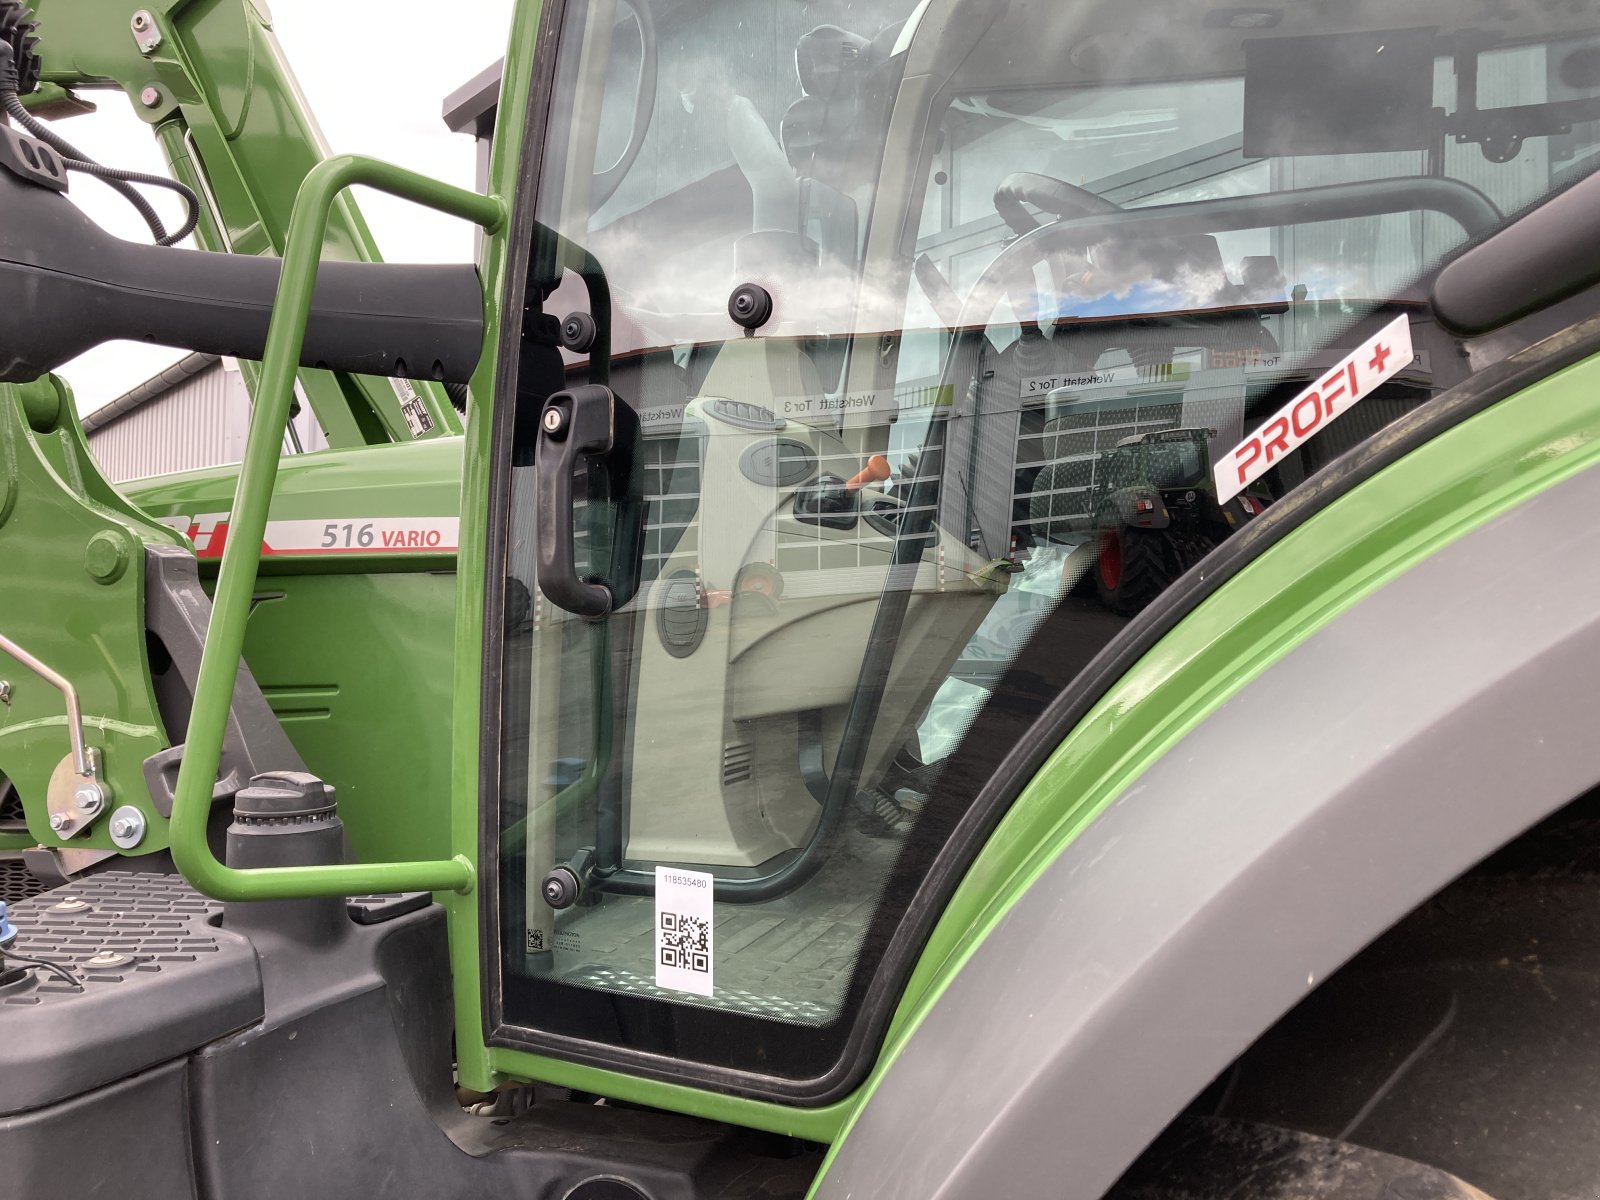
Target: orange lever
point(876, 471)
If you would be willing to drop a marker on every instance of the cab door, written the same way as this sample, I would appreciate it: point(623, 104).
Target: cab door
point(732, 619)
point(827, 374)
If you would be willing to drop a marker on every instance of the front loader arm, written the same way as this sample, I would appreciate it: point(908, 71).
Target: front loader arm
point(72, 555)
point(213, 84)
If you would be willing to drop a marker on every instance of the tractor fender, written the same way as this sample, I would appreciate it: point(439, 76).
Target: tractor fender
point(1412, 735)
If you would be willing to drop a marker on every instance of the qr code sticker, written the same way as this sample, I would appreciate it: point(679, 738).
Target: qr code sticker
point(685, 936)
point(685, 943)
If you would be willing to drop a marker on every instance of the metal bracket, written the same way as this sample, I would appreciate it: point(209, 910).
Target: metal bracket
point(75, 798)
point(78, 792)
point(146, 35)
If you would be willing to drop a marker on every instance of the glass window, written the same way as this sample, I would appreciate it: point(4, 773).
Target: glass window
point(1050, 288)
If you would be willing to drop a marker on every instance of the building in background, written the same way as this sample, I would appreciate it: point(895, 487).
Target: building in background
point(194, 414)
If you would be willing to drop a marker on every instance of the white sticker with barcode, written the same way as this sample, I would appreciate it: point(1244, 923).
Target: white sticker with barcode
point(412, 407)
point(683, 930)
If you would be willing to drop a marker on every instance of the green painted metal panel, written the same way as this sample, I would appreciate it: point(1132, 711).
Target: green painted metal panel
point(506, 163)
point(80, 546)
point(381, 485)
point(351, 649)
point(1454, 484)
point(357, 668)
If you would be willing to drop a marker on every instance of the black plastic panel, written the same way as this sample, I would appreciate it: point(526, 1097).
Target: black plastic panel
point(66, 286)
point(1545, 256)
point(175, 983)
point(129, 1139)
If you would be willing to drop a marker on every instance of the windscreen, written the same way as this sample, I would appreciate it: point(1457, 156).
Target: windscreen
point(1062, 297)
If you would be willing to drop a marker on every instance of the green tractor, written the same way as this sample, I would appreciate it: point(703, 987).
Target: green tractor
point(661, 749)
point(1157, 515)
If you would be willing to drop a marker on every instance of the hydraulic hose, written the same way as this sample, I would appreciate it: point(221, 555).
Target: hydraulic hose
point(76, 160)
point(70, 153)
point(115, 176)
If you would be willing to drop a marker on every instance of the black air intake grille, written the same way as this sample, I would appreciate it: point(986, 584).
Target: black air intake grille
point(17, 883)
point(12, 818)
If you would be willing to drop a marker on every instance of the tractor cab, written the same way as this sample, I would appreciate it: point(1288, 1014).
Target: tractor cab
point(880, 420)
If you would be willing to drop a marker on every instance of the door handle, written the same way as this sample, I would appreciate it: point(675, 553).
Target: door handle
point(589, 422)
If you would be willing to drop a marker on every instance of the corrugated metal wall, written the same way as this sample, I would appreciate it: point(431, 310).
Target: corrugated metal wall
point(200, 420)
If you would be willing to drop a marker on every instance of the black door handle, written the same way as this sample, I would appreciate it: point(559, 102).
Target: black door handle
point(589, 422)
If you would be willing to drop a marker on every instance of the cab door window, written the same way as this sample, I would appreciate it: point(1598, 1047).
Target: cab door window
point(1015, 288)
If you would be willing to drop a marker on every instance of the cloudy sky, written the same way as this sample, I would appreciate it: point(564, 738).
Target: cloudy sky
point(375, 75)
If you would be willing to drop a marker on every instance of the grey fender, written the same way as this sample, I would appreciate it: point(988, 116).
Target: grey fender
point(1406, 740)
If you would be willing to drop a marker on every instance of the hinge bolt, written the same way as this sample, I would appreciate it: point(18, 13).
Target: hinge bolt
point(127, 827)
point(150, 97)
point(88, 797)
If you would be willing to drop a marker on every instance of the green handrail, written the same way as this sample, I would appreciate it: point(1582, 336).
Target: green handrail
point(241, 556)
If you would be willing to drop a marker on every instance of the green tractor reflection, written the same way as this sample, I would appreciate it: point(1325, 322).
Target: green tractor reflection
point(1155, 514)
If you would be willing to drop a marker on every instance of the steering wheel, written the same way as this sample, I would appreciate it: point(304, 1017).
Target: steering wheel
point(1055, 196)
point(607, 182)
point(1059, 199)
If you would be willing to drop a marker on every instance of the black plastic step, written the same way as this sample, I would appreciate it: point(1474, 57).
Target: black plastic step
point(151, 979)
point(370, 910)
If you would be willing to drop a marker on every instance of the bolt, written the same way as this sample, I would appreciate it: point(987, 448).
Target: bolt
point(90, 797)
point(105, 556)
point(58, 822)
point(127, 827)
point(145, 34)
point(150, 97)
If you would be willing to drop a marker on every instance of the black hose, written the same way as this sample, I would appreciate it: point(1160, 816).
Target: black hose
point(114, 174)
point(119, 180)
point(67, 150)
point(40, 964)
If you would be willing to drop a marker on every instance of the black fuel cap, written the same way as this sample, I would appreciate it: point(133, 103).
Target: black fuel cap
point(280, 794)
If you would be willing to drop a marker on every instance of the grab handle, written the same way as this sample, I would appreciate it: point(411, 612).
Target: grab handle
point(587, 423)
